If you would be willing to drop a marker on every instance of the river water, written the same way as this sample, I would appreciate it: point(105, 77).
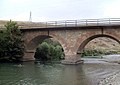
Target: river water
point(56, 74)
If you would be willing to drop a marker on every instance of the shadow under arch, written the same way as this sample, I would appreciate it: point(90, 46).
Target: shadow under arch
point(32, 45)
point(86, 41)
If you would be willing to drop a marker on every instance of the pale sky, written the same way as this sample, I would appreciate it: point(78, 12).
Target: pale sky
point(54, 10)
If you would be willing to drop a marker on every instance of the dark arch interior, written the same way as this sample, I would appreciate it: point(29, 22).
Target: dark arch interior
point(32, 45)
point(85, 42)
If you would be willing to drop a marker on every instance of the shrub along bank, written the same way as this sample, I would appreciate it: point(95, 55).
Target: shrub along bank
point(97, 53)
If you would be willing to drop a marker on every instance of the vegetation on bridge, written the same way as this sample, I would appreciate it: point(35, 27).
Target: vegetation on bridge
point(11, 44)
point(49, 50)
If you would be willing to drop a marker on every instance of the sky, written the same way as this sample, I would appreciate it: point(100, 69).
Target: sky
point(55, 10)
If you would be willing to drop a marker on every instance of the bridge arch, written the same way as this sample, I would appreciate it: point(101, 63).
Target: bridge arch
point(33, 43)
point(87, 40)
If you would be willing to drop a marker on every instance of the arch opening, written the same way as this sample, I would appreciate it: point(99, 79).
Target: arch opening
point(43, 47)
point(101, 40)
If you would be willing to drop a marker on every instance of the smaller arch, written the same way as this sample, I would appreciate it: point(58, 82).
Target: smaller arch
point(86, 41)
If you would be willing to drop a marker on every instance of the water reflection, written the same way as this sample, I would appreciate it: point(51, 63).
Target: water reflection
point(53, 74)
point(74, 75)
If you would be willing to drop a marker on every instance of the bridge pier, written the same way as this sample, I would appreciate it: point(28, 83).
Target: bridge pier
point(72, 59)
point(69, 59)
point(28, 56)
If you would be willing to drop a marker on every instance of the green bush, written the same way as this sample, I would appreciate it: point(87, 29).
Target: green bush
point(93, 53)
point(42, 52)
point(97, 52)
point(49, 51)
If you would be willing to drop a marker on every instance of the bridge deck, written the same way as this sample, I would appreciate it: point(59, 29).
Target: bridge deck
point(66, 23)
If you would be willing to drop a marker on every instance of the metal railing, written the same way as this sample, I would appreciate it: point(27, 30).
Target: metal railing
point(70, 23)
point(83, 22)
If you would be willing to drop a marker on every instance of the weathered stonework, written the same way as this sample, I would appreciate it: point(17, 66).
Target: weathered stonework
point(72, 39)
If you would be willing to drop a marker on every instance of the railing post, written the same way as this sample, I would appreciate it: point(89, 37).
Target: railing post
point(86, 22)
point(46, 24)
point(55, 23)
point(75, 22)
point(97, 22)
point(65, 23)
point(109, 22)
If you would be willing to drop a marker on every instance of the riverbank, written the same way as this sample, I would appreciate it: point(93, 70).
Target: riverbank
point(114, 77)
point(111, 80)
point(116, 80)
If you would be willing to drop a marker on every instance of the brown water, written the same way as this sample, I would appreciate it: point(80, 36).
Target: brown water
point(55, 74)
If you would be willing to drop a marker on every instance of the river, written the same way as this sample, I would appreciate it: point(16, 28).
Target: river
point(56, 74)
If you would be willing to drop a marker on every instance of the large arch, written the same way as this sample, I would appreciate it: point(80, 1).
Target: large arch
point(31, 46)
point(86, 41)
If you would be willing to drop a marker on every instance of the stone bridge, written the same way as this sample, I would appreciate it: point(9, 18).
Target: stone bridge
point(72, 37)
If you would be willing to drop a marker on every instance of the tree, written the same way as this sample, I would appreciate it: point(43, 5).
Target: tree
point(42, 52)
point(11, 43)
point(49, 50)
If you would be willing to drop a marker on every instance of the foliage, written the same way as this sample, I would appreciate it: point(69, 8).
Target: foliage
point(97, 52)
point(49, 51)
point(42, 52)
point(92, 52)
point(11, 44)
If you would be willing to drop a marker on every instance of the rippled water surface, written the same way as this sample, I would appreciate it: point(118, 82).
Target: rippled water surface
point(55, 74)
